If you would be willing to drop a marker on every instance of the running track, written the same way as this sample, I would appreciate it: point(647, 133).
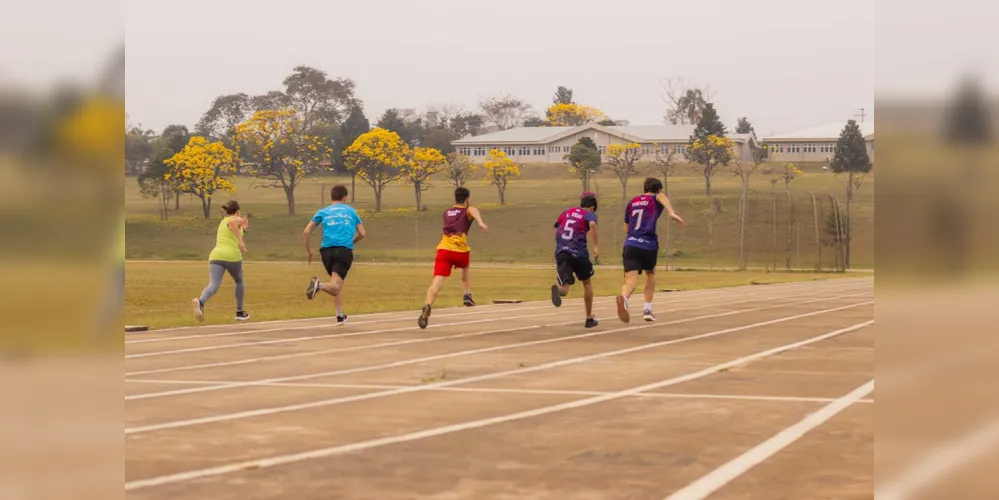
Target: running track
point(749, 392)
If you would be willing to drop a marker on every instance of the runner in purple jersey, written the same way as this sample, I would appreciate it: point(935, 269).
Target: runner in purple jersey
point(641, 247)
point(571, 255)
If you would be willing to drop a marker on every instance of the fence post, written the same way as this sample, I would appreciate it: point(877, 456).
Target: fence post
point(818, 242)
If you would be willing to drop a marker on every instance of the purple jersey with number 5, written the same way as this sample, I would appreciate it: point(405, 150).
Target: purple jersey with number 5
point(641, 215)
point(572, 227)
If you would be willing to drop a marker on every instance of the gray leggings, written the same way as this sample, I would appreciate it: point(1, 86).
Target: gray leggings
point(217, 269)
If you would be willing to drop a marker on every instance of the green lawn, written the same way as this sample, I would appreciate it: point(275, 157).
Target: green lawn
point(521, 230)
point(159, 293)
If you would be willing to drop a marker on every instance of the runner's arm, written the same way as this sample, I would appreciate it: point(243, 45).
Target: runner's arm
point(596, 242)
point(235, 226)
point(661, 198)
point(360, 233)
point(305, 239)
point(478, 218)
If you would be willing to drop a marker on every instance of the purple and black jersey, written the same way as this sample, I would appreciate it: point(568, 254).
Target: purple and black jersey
point(642, 215)
point(572, 227)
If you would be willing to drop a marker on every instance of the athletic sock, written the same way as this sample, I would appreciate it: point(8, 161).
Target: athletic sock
point(648, 306)
point(339, 312)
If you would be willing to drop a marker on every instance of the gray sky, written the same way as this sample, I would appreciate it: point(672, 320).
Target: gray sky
point(785, 64)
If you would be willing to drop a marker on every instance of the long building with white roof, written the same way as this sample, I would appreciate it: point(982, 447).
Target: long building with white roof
point(551, 144)
point(814, 144)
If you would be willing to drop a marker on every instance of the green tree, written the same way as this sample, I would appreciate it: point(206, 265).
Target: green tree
point(607, 123)
point(584, 160)
point(348, 132)
point(317, 98)
point(535, 121)
point(138, 148)
point(227, 111)
point(743, 126)
point(709, 124)
point(968, 117)
point(152, 182)
point(403, 122)
point(709, 148)
point(563, 95)
point(852, 159)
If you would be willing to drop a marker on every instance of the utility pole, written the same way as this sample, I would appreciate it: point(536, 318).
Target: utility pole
point(862, 115)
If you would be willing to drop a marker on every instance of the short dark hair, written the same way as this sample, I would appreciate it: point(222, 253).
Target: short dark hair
point(461, 195)
point(231, 207)
point(338, 193)
point(653, 185)
point(588, 200)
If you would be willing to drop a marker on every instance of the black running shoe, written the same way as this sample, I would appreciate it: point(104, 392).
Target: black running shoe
point(424, 317)
point(556, 296)
point(468, 300)
point(341, 320)
point(313, 288)
point(591, 322)
point(242, 315)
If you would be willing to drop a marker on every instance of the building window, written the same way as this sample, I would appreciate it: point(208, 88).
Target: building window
point(523, 151)
point(479, 151)
point(647, 150)
point(508, 150)
point(554, 149)
point(566, 149)
point(602, 149)
point(539, 150)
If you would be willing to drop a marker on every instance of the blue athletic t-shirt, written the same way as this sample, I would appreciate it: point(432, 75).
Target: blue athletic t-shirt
point(339, 222)
point(572, 227)
point(642, 215)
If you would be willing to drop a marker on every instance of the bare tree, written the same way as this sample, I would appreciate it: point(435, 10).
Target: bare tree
point(685, 101)
point(458, 169)
point(743, 171)
point(504, 110)
point(663, 162)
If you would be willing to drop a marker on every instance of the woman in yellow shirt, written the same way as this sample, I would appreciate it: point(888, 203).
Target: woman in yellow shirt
point(227, 256)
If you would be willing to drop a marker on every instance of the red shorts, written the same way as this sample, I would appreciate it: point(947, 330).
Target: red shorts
point(446, 259)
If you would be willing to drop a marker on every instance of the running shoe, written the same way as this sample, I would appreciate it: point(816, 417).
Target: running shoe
point(424, 317)
point(468, 300)
point(622, 309)
point(556, 296)
point(313, 288)
point(591, 322)
point(242, 315)
point(341, 320)
point(648, 316)
point(199, 310)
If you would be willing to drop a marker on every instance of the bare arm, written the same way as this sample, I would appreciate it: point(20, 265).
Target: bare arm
point(236, 227)
point(360, 233)
point(478, 218)
point(305, 239)
point(596, 242)
point(661, 198)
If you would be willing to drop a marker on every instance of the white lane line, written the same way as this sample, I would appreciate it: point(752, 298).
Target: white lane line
point(492, 308)
point(716, 479)
point(395, 364)
point(937, 464)
point(419, 340)
point(477, 378)
point(474, 424)
point(503, 390)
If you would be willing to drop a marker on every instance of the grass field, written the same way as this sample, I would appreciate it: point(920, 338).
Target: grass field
point(521, 230)
point(159, 294)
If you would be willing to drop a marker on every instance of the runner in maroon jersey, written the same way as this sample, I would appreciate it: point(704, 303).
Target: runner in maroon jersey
point(453, 250)
point(571, 255)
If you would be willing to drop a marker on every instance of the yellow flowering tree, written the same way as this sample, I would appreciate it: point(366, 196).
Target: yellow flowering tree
point(378, 158)
point(572, 114)
point(458, 169)
point(499, 170)
point(423, 163)
point(202, 168)
point(622, 159)
point(708, 154)
point(277, 147)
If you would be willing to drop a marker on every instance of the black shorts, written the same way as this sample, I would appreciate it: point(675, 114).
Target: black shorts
point(567, 264)
point(337, 260)
point(639, 259)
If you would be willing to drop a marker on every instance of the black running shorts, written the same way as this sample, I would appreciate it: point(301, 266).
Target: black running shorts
point(567, 265)
point(337, 260)
point(639, 259)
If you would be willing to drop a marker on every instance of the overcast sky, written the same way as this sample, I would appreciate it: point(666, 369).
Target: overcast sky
point(785, 64)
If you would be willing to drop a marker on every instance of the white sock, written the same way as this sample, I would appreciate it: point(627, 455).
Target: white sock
point(648, 306)
point(339, 312)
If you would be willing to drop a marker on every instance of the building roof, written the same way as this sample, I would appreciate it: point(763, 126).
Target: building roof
point(827, 131)
point(545, 135)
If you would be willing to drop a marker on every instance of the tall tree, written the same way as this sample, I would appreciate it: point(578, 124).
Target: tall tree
point(352, 128)
point(227, 111)
point(743, 126)
point(202, 168)
point(851, 158)
point(378, 157)
point(709, 148)
point(685, 102)
point(138, 148)
point(404, 122)
point(584, 160)
point(152, 181)
point(622, 159)
point(281, 150)
point(317, 98)
point(563, 95)
point(573, 115)
point(504, 110)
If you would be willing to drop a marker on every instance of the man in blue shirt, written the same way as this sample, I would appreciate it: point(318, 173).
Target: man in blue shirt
point(572, 259)
point(342, 228)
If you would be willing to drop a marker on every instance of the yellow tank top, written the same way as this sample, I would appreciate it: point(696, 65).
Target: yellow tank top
point(226, 245)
